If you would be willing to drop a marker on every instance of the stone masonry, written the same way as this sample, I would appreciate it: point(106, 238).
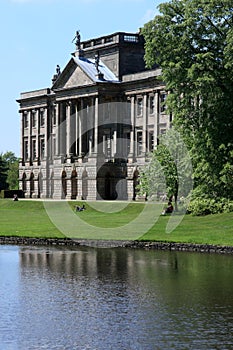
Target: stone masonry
point(87, 136)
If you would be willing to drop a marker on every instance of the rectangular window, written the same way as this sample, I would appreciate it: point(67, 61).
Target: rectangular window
point(25, 120)
point(163, 131)
point(151, 104)
point(131, 38)
point(42, 117)
point(54, 118)
point(139, 143)
point(163, 97)
point(151, 141)
point(26, 154)
point(139, 107)
point(42, 148)
point(33, 119)
point(33, 149)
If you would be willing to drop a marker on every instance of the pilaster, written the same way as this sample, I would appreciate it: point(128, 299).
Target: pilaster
point(156, 120)
point(131, 155)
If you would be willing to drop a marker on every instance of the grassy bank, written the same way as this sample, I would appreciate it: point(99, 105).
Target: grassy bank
point(30, 219)
point(26, 219)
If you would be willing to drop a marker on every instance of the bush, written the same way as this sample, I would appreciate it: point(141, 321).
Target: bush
point(205, 206)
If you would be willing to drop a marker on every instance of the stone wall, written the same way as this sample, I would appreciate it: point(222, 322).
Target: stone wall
point(183, 247)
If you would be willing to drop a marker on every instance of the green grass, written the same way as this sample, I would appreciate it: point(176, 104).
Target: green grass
point(26, 219)
point(29, 219)
point(110, 214)
point(211, 229)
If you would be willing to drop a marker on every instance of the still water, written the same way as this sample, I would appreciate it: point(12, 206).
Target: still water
point(120, 299)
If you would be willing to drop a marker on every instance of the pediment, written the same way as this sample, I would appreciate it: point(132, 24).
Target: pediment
point(72, 76)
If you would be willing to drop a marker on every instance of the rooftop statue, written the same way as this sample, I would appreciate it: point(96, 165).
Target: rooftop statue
point(77, 40)
point(58, 70)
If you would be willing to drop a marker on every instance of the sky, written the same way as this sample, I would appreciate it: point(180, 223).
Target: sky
point(36, 35)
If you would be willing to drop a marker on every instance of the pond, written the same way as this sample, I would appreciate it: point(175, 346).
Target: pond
point(118, 298)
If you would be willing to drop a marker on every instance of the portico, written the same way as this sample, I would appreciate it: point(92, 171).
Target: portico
point(87, 136)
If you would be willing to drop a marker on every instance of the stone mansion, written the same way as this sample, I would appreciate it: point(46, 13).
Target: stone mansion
point(87, 135)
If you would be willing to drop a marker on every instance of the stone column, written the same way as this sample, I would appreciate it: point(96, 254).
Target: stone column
point(90, 125)
point(80, 118)
point(96, 124)
point(62, 130)
point(29, 137)
point(57, 134)
point(43, 181)
point(156, 118)
point(114, 148)
point(132, 132)
point(104, 145)
point(144, 127)
point(22, 137)
point(68, 132)
point(47, 132)
point(76, 131)
point(38, 155)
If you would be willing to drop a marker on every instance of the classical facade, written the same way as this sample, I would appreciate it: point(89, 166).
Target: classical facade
point(87, 135)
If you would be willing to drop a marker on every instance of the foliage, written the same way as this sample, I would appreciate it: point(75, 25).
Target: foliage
point(12, 175)
point(204, 206)
point(192, 41)
point(169, 169)
point(3, 173)
point(12, 163)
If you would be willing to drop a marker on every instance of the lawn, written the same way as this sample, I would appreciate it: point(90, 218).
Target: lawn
point(110, 220)
point(26, 219)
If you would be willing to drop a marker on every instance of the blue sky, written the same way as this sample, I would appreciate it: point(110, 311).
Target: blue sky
point(36, 35)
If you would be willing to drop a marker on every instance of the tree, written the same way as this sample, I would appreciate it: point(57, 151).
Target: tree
point(3, 174)
point(13, 175)
point(12, 164)
point(192, 41)
point(169, 169)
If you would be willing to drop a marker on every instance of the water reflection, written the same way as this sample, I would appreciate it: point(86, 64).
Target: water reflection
point(114, 299)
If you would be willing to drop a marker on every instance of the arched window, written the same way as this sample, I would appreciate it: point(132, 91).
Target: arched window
point(24, 183)
point(32, 184)
point(64, 185)
point(74, 185)
point(135, 184)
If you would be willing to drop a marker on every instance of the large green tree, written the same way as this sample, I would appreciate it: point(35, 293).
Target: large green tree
point(192, 41)
point(169, 169)
point(3, 174)
point(12, 170)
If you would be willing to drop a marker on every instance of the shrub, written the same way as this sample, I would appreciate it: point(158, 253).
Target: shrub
point(205, 206)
